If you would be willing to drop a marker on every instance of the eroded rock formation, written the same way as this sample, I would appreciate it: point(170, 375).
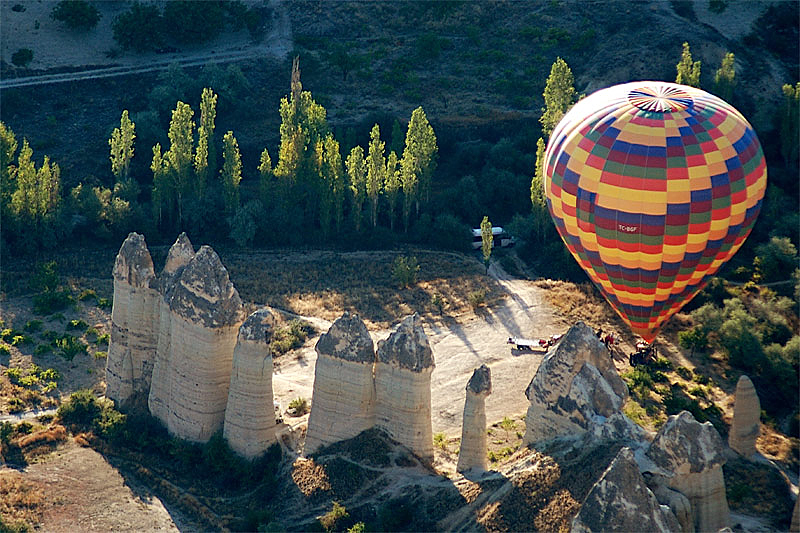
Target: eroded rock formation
point(205, 316)
point(621, 501)
point(688, 457)
point(249, 415)
point(403, 387)
point(472, 454)
point(746, 416)
point(131, 351)
point(179, 255)
point(343, 402)
point(576, 390)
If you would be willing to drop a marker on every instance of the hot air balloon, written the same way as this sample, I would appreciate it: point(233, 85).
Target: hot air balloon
point(653, 186)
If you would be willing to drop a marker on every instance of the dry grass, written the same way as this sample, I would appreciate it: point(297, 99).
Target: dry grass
point(580, 302)
point(325, 283)
point(21, 501)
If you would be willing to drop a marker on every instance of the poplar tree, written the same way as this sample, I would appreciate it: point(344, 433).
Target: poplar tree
point(538, 202)
point(8, 148)
point(231, 172)
point(205, 158)
point(790, 123)
point(688, 71)
point(335, 179)
point(357, 172)
point(265, 175)
point(725, 78)
point(37, 194)
point(121, 144)
point(559, 95)
point(392, 186)
point(180, 157)
point(163, 196)
point(376, 170)
point(419, 158)
point(486, 241)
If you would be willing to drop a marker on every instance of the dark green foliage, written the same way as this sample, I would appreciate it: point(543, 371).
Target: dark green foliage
point(193, 22)
point(82, 408)
point(450, 233)
point(47, 303)
point(676, 400)
point(141, 28)
point(292, 336)
point(333, 519)
point(76, 14)
point(405, 270)
point(717, 6)
point(44, 277)
point(22, 57)
point(395, 515)
point(70, 346)
point(695, 339)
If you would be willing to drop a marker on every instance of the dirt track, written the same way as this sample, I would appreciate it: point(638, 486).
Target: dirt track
point(459, 348)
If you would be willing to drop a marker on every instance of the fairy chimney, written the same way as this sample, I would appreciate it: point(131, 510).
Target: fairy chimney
point(343, 401)
point(179, 255)
point(403, 387)
point(206, 312)
point(746, 414)
point(688, 457)
point(473, 429)
point(132, 347)
point(249, 415)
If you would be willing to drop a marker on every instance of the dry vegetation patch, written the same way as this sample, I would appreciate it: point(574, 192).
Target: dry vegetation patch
point(21, 501)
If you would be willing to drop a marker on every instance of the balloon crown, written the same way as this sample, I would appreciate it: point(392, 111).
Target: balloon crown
point(661, 98)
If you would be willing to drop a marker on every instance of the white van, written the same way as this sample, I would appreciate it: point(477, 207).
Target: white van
point(500, 238)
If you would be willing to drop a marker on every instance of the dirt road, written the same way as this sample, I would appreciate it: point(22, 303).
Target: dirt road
point(459, 348)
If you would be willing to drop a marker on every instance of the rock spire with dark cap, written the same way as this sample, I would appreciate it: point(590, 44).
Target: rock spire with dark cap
point(347, 339)
point(407, 346)
point(133, 264)
point(472, 454)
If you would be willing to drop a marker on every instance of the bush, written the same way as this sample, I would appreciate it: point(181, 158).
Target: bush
point(80, 409)
point(405, 270)
point(22, 57)
point(141, 28)
point(70, 347)
point(77, 324)
point(33, 325)
point(47, 303)
point(477, 298)
point(330, 520)
point(87, 294)
point(76, 14)
point(299, 406)
point(4, 349)
point(103, 339)
point(290, 337)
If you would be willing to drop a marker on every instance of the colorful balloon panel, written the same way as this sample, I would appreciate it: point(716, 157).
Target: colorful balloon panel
point(653, 186)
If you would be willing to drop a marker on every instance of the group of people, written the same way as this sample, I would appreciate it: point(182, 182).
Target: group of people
point(645, 353)
point(607, 339)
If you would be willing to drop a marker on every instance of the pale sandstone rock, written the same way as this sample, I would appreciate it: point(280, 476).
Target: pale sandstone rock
point(403, 387)
point(472, 454)
point(621, 501)
point(688, 457)
point(249, 415)
point(343, 402)
point(746, 417)
point(205, 317)
point(178, 257)
point(132, 347)
point(576, 389)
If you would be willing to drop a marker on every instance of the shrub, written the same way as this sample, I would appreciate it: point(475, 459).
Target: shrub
point(70, 347)
point(299, 406)
point(47, 303)
point(103, 339)
point(76, 14)
point(87, 294)
point(438, 302)
point(14, 374)
point(141, 28)
point(77, 324)
point(104, 303)
point(330, 520)
point(440, 441)
point(477, 298)
point(44, 277)
point(33, 325)
point(405, 270)
point(684, 372)
point(99, 354)
point(80, 409)
point(19, 340)
point(22, 57)
point(290, 337)
point(5, 350)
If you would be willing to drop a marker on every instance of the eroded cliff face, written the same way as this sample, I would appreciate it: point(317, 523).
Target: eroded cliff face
point(472, 454)
point(576, 390)
point(249, 414)
point(343, 402)
point(403, 387)
point(131, 352)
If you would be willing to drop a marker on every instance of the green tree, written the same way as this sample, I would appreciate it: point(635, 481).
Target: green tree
point(776, 260)
point(180, 158)
point(141, 28)
point(205, 158)
point(231, 172)
point(121, 144)
point(559, 95)
point(333, 175)
point(376, 171)
point(357, 172)
point(265, 176)
point(37, 193)
point(398, 137)
point(76, 14)
point(541, 217)
point(688, 71)
point(790, 123)
point(8, 148)
point(725, 78)
point(392, 186)
point(163, 195)
point(487, 240)
point(419, 157)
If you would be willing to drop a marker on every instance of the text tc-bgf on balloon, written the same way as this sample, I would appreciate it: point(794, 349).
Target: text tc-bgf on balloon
point(653, 186)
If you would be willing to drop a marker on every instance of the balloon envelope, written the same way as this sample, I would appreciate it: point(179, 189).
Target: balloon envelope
point(653, 186)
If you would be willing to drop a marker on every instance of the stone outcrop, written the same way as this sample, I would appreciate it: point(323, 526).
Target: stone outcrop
point(132, 348)
point(621, 501)
point(472, 454)
point(746, 416)
point(249, 415)
point(343, 403)
point(687, 457)
point(205, 311)
point(178, 257)
point(403, 387)
point(576, 390)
